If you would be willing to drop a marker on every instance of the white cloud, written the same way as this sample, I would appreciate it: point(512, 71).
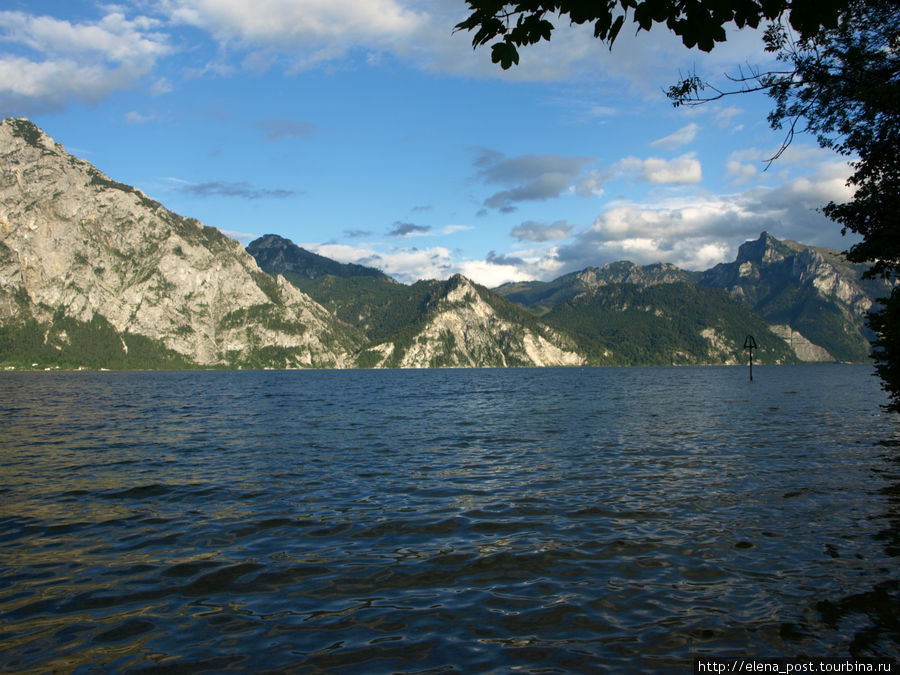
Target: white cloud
point(308, 31)
point(678, 139)
point(532, 230)
point(592, 184)
point(692, 231)
point(113, 38)
point(404, 264)
point(66, 61)
point(288, 21)
point(161, 86)
point(741, 173)
point(408, 265)
point(492, 275)
point(453, 229)
point(525, 265)
point(698, 231)
point(684, 169)
point(134, 117)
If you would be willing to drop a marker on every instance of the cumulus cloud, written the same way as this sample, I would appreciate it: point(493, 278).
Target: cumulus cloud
point(684, 169)
point(698, 231)
point(403, 264)
point(677, 139)
point(694, 231)
point(310, 31)
point(738, 171)
point(59, 62)
point(532, 230)
point(591, 184)
point(530, 177)
point(492, 274)
point(292, 20)
point(410, 264)
point(526, 265)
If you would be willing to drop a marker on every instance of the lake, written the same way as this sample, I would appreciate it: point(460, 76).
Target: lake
point(536, 520)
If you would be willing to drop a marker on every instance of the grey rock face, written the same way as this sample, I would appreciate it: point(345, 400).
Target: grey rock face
point(465, 330)
point(814, 297)
point(74, 240)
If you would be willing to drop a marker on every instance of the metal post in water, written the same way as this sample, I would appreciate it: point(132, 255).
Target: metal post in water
point(750, 345)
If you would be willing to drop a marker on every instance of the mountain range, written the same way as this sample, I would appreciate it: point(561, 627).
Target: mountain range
point(95, 274)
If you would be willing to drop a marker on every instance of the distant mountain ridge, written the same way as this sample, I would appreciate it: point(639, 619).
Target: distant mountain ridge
point(811, 298)
point(93, 273)
point(540, 296)
point(277, 255)
point(452, 323)
point(678, 323)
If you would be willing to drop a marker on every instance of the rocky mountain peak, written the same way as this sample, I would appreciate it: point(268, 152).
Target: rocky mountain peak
point(269, 241)
point(811, 293)
point(767, 249)
point(627, 272)
point(76, 246)
point(20, 130)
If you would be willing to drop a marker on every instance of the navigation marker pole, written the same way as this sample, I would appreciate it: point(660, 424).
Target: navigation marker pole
point(750, 345)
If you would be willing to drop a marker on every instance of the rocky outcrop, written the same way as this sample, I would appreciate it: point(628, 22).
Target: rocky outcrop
point(464, 327)
point(75, 243)
point(803, 348)
point(813, 293)
point(625, 272)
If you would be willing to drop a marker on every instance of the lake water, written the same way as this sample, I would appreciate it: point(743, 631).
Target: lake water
point(536, 520)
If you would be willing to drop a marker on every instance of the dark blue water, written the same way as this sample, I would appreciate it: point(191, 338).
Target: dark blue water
point(537, 520)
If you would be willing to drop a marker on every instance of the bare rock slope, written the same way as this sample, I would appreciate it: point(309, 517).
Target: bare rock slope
point(467, 325)
point(76, 246)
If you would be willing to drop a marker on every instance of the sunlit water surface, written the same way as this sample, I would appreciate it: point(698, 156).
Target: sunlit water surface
point(555, 520)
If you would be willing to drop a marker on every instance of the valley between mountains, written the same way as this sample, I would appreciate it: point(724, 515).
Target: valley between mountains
point(95, 274)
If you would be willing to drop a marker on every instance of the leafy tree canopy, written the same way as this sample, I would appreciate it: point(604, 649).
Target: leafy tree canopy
point(700, 23)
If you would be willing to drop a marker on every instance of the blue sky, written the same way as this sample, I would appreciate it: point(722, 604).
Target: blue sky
point(366, 130)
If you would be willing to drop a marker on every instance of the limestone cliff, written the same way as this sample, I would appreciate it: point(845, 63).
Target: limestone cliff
point(815, 298)
point(77, 245)
point(466, 325)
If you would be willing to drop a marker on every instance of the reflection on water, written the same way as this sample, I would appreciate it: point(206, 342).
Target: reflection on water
point(565, 519)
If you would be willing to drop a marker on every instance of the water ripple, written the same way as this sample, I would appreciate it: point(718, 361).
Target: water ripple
point(568, 520)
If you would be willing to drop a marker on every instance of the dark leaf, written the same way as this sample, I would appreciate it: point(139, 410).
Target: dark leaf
point(504, 53)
